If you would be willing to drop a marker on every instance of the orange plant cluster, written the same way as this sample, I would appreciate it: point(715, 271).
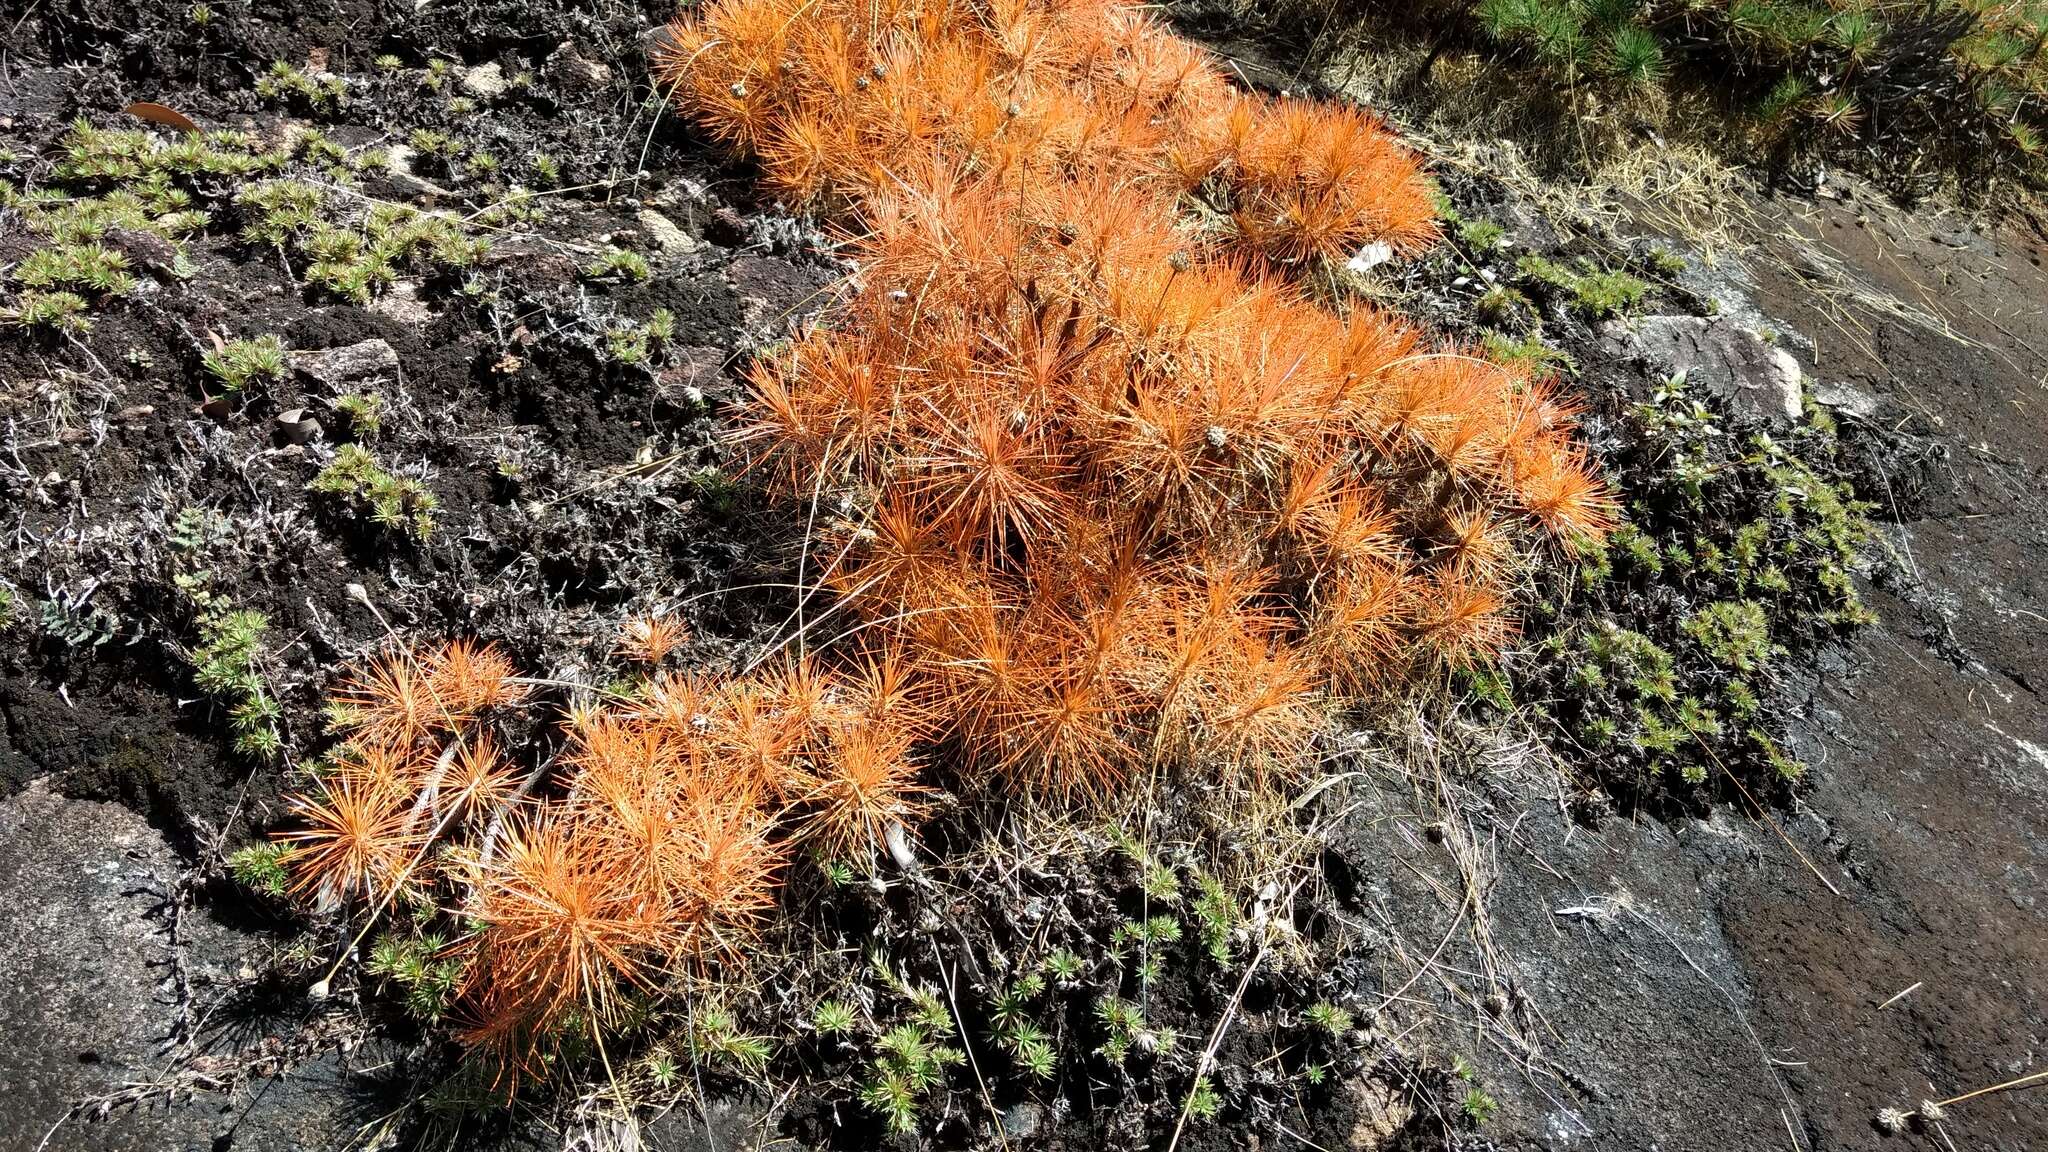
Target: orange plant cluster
point(658, 848)
point(1109, 489)
point(878, 108)
point(1119, 485)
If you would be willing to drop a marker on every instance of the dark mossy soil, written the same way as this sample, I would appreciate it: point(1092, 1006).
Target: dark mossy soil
point(1676, 978)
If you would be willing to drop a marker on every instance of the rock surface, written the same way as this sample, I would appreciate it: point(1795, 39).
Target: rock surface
point(343, 369)
point(104, 982)
point(1772, 980)
point(1721, 358)
point(667, 234)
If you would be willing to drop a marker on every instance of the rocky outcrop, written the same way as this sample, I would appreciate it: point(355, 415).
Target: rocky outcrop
point(1718, 357)
point(130, 1015)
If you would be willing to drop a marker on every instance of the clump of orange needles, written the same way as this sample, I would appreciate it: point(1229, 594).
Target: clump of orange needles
point(1111, 485)
point(658, 848)
point(1116, 482)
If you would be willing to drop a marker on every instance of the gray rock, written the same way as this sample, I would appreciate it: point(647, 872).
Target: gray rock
point(1023, 1120)
point(401, 302)
point(146, 249)
point(667, 234)
point(657, 41)
point(103, 986)
point(1718, 357)
point(345, 369)
point(1846, 399)
point(81, 964)
point(398, 160)
point(485, 80)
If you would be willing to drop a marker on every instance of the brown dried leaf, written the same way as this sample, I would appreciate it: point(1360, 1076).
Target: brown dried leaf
point(160, 114)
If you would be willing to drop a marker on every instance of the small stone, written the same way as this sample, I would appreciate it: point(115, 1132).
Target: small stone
point(1022, 1121)
point(1846, 399)
point(401, 302)
point(486, 81)
point(147, 249)
point(295, 427)
point(898, 841)
point(1370, 257)
point(666, 233)
point(346, 369)
point(658, 41)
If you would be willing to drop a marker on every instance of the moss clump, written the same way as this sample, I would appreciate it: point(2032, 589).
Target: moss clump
point(1595, 293)
point(1734, 634)
point(260, 868)
point(1529, 352)
point(1741, 548)
point(85, 267)
point(1480, 237)
point(399, 503)
point(363, 412)
point(104, 182)
point(417, 964)
point(224, 665)
point(617, 263)
point(301, 92)
point(1504, 308)
point(227, 657)
point(354, 258)
point(237, 364)
point(59, 312)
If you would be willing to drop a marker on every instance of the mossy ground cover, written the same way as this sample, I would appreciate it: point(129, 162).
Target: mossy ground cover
point(1665, 665)
point(1668, 667)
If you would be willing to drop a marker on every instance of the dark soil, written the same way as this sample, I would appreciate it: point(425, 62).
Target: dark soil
point(526, 462)
point(1674, 979)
